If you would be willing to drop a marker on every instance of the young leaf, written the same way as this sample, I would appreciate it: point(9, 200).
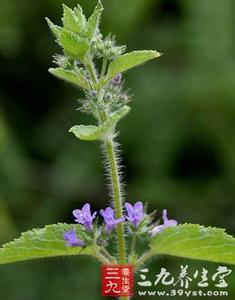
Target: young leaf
point(92, 133)
point(87, 132)
point(54, 28)
point(195, 242)
point(93, 21)
point(81, 19)
point(70, 76)
point(70, 20)
point(42, 243)
point(74, 46)
point(129, 60)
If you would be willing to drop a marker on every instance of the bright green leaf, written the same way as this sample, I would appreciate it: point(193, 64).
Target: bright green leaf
point(70, 76)
point(54, 28)
point(70, 20)
point(93, 21)
point(91, 133)
point(42, 243)
point(86, 132)
point(81, 18)
point(129, 60)
point(74, 46)
point(195, 242)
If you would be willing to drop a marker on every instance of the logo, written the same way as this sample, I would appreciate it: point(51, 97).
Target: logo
point(117, 280)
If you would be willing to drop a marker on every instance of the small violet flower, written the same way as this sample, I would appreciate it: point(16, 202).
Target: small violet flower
point(135, 213)
point(93, 93)
point(117, 80)
point(72, 239)
point(84, 216)
point(109, 219)
point(166, 223)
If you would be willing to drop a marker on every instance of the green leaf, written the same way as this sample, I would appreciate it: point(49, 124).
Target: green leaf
point(70, 20)
point(54, 28)
point(86, 132)
point(93, 21)
point(101, 132)
point(74, 46)
point(195, 242)
point(81, 18)
point(42, 243)
point(129, 60)
point(70, 76)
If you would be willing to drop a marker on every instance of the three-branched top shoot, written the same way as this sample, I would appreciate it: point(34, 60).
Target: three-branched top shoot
point(95, 64)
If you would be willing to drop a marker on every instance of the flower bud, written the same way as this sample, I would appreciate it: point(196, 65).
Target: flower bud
point(117, 80)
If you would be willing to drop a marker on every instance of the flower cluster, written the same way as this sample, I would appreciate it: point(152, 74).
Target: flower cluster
point(107, 47)
point(135, 216)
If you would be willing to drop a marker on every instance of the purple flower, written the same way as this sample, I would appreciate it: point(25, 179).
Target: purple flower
point(84, 216)
point(166, 223)
point(93, 93)
point(135, 213)
point(72, 239)
point(109, 218)
point(117, 80)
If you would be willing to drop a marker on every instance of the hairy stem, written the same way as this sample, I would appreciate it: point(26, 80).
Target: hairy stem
point(116, 190)
point(103, 69)
point(91, 69)
point(108, 256)
point(102, 258)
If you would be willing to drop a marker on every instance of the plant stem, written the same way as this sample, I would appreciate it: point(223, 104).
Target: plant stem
point(108, 256)
point(104, 66)
point(116, 190)
point(91, 69)
point(102, 258)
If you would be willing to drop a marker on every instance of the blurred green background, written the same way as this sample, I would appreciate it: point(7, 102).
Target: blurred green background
point(178, 142)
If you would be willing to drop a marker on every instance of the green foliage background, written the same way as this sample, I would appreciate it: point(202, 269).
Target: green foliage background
point(178, 141)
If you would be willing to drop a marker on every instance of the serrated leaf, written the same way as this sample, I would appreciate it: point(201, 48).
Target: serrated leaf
point(74, 46)
point(81, 18)
point(129, 60)
point(93, 21)
point(195, 242)
point(91, 133)
point(54, 28)
point(42, 243)
point(70, 76)
point(70, 20)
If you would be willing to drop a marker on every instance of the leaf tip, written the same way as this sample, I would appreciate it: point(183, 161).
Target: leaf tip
point(100, 5)
point(51, 70)
point(72, 129)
